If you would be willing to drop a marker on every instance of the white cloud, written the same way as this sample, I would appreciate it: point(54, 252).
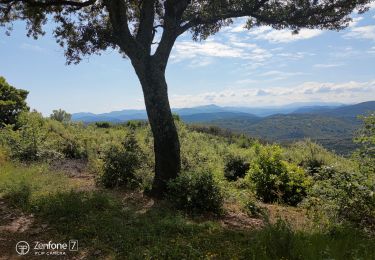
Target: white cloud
point(347, 92)
point(355, 21)
point(238, 28)
point(328, 65)
point(278, 75)
point(283, 36)
point(371, 5)
point(187, 50)
point(201, 62)
point(292, 55)
point(362, 32)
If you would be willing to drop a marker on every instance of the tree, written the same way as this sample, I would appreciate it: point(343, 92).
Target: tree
point(61, 116)
point(86, 27)
point(366, 138)
point(12, 102)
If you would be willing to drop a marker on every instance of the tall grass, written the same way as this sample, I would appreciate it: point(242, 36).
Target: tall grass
point(104, 224)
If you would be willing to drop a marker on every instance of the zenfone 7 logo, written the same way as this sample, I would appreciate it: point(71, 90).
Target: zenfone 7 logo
point(46, 248)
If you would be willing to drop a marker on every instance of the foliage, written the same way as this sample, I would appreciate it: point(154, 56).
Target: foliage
point(103, 124)
point(12, 103)
point(3, 155)
point(312, 156)
point(196, 193)
point(80, 38)
point(134, 124)
point(366, 138)
point(99, 220)
point(276, 180)
point(235, 167)
point(61, 116)
point(120, 164)
point(333, 132)
point(340, 196)
point(27, 143)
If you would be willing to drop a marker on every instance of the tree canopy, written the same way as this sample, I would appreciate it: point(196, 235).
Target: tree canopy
point(61, 116)
point(12, 102)
point(85, 27)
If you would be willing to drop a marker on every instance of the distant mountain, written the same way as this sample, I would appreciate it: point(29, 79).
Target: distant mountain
point(199, 110)
point(346, 111)
point(286, 109)
point(114, 117)
point(333, 127)
point(331, 124)
point(132, 114)
point(204, 117)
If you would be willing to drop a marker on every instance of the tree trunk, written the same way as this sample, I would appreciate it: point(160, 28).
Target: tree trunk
point(166, 142)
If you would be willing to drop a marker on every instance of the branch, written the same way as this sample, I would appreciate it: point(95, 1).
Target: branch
point(294, 15)
point(119, 19)
point(174, 10)
point(146, 22)
point(51, 3)
point(244, 11)
point(203, 21)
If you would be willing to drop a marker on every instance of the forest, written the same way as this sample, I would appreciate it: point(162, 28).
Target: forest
point(236, 197)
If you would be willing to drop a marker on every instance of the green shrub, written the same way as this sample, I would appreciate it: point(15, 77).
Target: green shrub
point(196, 193)
point(339, 196)
point(73, 149)
point(365, 137)
point(28, 142)
point(235, 167)
point(103, 124)
point(121, 163)
point(276, 180)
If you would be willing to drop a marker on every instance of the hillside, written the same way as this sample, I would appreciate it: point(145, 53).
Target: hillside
point(333, 133)
point(332, 127)
point(207, 117)
point(234, 197)
point(348, 111)
point(330, 124)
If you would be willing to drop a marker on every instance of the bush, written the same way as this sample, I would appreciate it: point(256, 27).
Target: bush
point(103, 124)
point(276, 180)
point(196, 193)
point(339, 196)
point(121, 163)
point(71, 148)
point(311, 157)
point(235, 167)
point(28, 142)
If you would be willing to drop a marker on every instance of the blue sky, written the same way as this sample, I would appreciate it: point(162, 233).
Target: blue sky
point(237, 67)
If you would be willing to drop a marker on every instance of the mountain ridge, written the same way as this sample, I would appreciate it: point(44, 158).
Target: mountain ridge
point(133, 114)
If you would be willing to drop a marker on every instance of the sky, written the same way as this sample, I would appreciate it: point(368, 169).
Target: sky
point(236, 67)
